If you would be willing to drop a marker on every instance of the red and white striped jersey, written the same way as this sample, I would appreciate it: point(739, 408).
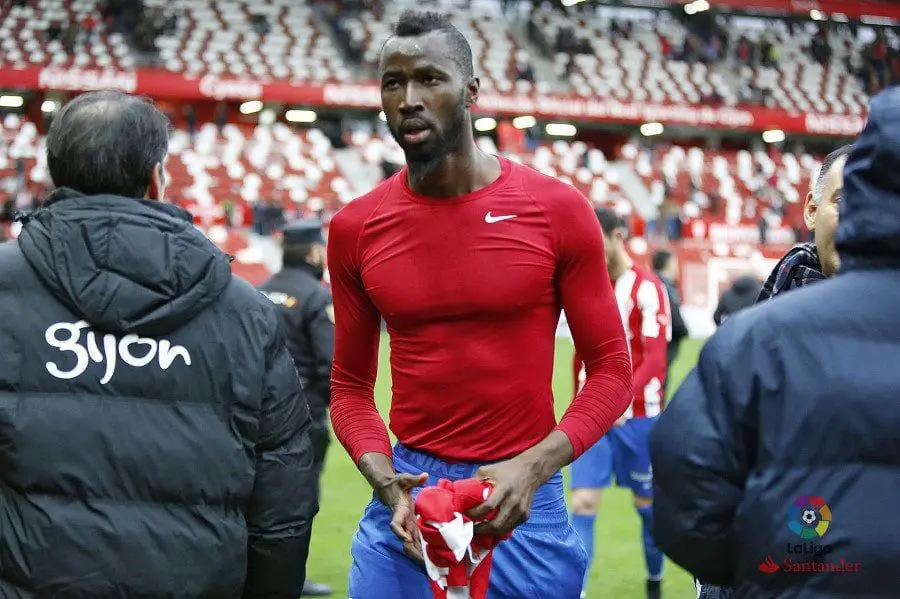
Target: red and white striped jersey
point(644, 307)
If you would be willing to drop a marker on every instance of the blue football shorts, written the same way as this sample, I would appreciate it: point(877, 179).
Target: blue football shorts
point(624, 452)
point(543, 558)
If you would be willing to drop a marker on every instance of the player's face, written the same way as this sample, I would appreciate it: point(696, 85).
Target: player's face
point(822, 218)
point(424, 96)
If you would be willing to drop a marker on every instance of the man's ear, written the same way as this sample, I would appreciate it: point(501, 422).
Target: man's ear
point(472, 89)
point(156, 191)
point(809, 212)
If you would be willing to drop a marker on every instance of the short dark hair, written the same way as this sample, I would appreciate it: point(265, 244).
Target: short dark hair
point(661, 259)
point(413, 23)
point(107, 142)
point(610, 221)
point(826, 167)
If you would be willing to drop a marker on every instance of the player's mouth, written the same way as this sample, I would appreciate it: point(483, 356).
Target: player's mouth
point(415, 131)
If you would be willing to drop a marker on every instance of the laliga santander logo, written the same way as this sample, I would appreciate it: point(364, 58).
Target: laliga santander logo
point(809, 517)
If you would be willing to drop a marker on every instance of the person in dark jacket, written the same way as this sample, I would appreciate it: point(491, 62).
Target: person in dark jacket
point(802, 265)
point(666, 268)
point(307, 317)
point(742, 294)
point(777, 459)
point(153, 431)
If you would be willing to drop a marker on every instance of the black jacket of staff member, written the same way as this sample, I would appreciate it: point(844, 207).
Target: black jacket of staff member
point(307, 319)
point(153, 431)
point(305, 311)
point(666, 268)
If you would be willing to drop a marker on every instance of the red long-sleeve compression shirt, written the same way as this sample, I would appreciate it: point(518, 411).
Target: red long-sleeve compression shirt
point(471, 290)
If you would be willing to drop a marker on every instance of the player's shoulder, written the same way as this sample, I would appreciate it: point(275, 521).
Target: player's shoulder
point(352, 216)
point(646, 276)
point(548, 192)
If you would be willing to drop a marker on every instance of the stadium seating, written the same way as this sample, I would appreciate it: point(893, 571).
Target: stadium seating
point(495, 50)
point(24, 37)
point(797, 83)
point(635, 68)
point(742, 181)
point(219, 38)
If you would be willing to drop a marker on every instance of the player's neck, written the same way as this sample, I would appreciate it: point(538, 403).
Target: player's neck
point(459, 172)
point(620, 267)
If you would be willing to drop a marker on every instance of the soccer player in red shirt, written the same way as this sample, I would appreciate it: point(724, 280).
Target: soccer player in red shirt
point(469, 259)
point(644, 306)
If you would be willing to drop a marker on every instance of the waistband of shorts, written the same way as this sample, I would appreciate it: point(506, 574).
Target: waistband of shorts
point(549, 519)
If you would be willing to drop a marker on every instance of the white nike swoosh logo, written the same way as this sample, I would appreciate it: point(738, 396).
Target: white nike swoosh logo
point(489, 218)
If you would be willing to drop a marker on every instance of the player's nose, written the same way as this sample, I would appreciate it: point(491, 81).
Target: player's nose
point(412, 100)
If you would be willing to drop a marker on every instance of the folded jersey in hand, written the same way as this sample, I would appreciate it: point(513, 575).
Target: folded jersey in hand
point(457, 560)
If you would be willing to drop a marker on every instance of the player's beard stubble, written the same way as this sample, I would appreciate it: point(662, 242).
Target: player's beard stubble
point(422, 158)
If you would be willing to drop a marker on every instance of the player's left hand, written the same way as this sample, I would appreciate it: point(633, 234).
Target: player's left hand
point(515, 483)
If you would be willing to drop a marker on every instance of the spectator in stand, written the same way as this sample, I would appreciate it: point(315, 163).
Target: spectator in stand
point(221, 116)
point(54, 31)
point(88, 25)
point(190, 119)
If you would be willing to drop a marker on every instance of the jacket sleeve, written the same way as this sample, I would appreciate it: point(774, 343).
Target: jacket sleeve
point(701, 450)
point(321, 331)
point(679, 326)
point(283, 502)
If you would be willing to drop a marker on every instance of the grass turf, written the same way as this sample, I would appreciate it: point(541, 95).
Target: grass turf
point(618, 570)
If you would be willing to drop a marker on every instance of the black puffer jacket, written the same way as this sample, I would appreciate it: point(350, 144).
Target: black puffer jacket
point(776, 465)
point(153, 432)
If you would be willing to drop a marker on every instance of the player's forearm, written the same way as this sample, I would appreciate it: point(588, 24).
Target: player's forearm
point(549, 456)
point(377, 468)
point(357, 423)
point(606, 394)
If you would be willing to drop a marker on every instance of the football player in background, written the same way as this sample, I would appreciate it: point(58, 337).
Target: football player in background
point(644, 308)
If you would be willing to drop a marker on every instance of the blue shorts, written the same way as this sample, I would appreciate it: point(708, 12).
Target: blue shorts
point(625, 452)
point(543, 558)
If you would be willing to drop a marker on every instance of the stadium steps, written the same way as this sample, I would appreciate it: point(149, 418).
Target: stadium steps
point(635, 190)
point(361, 176)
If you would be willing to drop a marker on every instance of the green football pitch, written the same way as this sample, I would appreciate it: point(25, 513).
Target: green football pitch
point(618, 571)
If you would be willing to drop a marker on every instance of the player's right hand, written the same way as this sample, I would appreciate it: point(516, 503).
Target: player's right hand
point(396, 495)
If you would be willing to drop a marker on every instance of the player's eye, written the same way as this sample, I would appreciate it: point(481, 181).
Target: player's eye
point(430, 80)
point(389, 84)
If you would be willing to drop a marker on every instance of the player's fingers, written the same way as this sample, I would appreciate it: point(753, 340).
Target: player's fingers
point(411, 481)
point(414, 552)
point(495, 499)
point(398, 525)
point(498, 525)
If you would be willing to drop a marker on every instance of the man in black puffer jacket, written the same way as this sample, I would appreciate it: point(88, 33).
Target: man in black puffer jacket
point(776, 463)
point(153, 431)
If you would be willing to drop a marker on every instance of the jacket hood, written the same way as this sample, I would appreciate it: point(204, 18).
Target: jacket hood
point(868, 234)
point(124, 265)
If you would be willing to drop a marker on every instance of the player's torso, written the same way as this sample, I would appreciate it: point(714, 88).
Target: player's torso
point(636, 292)
point(424, 263)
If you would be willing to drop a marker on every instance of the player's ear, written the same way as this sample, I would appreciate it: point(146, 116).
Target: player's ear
point(472, 89)
point(809, 212)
